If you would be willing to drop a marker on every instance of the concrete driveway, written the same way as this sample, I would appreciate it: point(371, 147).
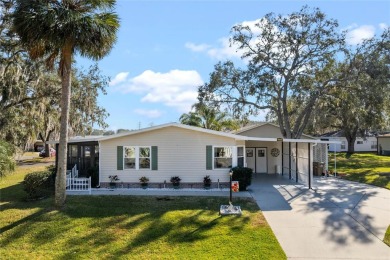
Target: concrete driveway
point(338, 219)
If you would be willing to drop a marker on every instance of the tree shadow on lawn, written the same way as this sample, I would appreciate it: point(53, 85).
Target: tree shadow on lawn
point(92, 223)
point(343, 222)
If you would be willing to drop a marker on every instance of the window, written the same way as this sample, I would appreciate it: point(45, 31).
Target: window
point(144, 158)
point(342, 145)
point(374, 145)
point(223, 157)
point(240, 156)
point(129, 158)
point(136, 157)
point(359, 142)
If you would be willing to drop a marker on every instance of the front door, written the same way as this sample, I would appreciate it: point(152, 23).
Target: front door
point(261, 160)
point(256, 159)
point(250, 158)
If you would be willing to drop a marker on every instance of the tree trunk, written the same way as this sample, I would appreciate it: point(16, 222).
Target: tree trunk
point(351, 144)
point(65, 69)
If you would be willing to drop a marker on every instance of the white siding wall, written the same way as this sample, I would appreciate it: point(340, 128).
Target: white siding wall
point(181, 152)
point(368, 145)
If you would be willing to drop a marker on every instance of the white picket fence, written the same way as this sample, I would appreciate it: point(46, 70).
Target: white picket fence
point(74, 183)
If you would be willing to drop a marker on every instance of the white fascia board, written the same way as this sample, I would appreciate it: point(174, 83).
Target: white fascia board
point(310, 141)
point(262, 139)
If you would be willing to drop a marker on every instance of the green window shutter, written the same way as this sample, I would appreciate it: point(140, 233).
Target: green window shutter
point(119, 157)
point(154, 158)
point(209, 157)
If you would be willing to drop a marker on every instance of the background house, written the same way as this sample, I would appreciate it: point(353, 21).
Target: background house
point(362, 144)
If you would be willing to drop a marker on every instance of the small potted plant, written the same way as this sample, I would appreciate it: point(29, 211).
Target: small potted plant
point(207, 182)
point(144, 182)
point(113, 179)
point(175, 181)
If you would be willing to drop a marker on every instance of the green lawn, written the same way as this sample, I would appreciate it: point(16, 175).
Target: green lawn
point(387, 236)
point(127, 227)
point(363, 167)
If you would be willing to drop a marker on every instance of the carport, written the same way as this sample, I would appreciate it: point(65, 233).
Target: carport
point(291, 158)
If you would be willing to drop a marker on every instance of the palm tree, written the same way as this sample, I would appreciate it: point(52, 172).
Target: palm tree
point(56, 30)
point(209, 118)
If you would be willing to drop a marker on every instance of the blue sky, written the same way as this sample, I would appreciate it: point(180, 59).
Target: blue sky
point(166, 49)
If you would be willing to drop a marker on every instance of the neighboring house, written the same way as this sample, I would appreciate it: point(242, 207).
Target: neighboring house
point(362, 144)
point(173, 149)
point(383, 144)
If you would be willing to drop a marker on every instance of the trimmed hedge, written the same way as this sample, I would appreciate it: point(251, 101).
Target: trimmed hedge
point(243, 175)
point(39, 184)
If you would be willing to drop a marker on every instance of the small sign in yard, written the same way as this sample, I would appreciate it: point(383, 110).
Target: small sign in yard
point(230, 210)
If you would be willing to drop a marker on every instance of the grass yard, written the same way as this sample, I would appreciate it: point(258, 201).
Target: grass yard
point(387, 236)
point(125, 227)
point(368, 168)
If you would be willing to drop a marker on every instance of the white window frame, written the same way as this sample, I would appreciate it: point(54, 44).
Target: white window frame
point(243, 155)
point(234, 155)
point(342, 146)
point(359, 142)
point(137, 157)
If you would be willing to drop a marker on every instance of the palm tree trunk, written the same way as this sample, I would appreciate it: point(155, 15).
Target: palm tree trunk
point(65, 69)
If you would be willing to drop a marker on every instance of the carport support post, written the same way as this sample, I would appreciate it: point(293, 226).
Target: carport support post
point(296, 162)
point(309, 166)
point(282, 158)
point(231, 197)
point(335, 169)
point(289, 160)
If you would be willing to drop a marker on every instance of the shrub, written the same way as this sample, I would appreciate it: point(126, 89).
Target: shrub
point(7, 162)
point(243, 175)
point(175, 180)
point(39, 184)
point(93, 172)
point(207, 180)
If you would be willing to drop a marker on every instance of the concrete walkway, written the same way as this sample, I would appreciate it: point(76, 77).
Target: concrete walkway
point(337, 220)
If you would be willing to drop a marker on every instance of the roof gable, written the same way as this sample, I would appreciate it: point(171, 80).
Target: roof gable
point(257, 127)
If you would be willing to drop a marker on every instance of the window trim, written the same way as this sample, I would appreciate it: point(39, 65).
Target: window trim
point(234, 155)
point(243, 155)
point(137, 157)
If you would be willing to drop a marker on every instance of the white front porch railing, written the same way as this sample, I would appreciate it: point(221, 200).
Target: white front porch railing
point(74, 183)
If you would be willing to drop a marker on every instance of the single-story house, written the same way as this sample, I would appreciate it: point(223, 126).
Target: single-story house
point(362, 144)
point(383, 144)
point(173, 149)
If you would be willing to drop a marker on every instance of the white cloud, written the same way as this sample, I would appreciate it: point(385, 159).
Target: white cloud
point(176, 88)
point(256, 30)
point(383, 26)
point(119, 78)
point(357, 34)
point(197, 47)
point(153, 113)
point(225, 50)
